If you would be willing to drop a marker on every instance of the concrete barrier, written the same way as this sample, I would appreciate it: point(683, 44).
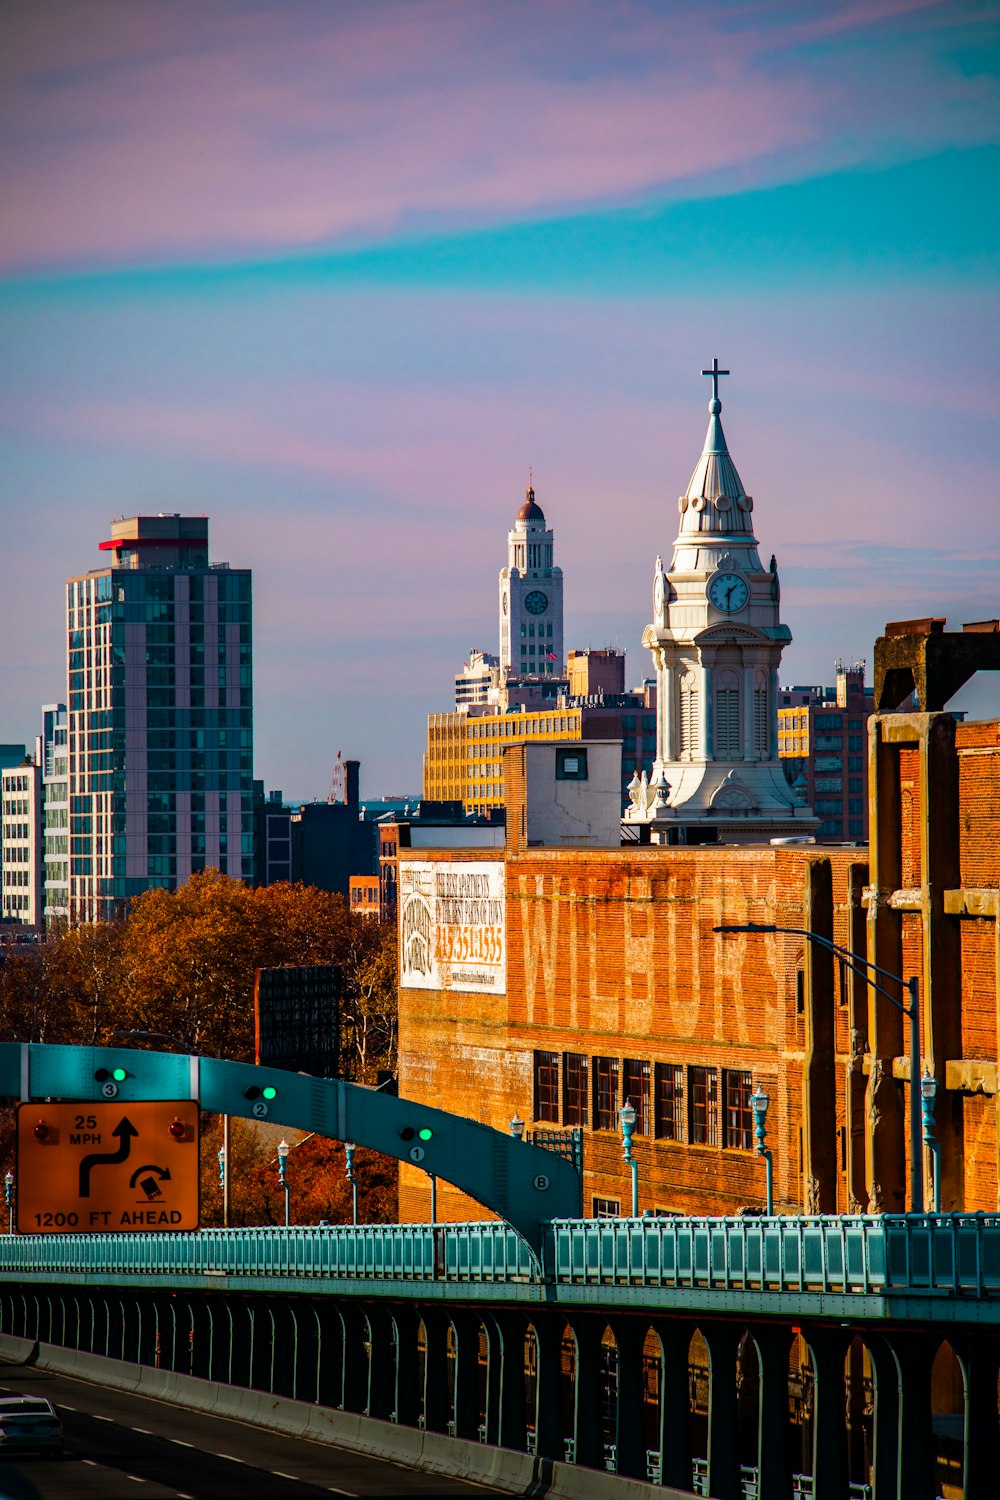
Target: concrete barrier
point(431, 1452)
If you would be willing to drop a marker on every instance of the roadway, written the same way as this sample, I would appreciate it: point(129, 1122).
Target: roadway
point(120, 1445)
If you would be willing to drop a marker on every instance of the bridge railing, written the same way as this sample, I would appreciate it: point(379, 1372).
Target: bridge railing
point(932, 1253)
point(484, 1252)
point(836, 1253)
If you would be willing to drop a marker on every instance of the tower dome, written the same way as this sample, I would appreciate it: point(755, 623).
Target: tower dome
point(530, 510)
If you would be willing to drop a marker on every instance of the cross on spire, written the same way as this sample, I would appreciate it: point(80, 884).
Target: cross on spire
point(715, 372)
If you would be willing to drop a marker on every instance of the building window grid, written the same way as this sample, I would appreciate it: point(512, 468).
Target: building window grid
point(668, 1109)
point(605, 1093)
point(739, 1112)
point(547, 1086)
point(703, 1101)
point(635, 1088)
point(575, 1088)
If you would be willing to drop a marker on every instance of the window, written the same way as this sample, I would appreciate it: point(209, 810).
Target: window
point(739, 1114)
point(689, 715)
point(635, 1088)
point(761, 725)
point(575, 1090)
point(571, 765)
point(728, 740)
point(606, 1208)
point(605, 1093)
point(703, 1098)
point(547, 1086)
point(668, 1108)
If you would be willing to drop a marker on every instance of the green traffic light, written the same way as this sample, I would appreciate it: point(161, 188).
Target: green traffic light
point(119, 1075)
point(270, 1092)
point(425, 1134)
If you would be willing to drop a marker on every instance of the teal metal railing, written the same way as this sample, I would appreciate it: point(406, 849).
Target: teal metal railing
point(956, 1254)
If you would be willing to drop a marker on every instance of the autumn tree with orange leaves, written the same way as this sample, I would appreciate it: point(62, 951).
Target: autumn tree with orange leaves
point(182, 967)
point(179, 970)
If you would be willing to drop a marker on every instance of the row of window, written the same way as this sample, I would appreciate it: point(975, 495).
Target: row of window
point(672, 1102)
point(518, 726)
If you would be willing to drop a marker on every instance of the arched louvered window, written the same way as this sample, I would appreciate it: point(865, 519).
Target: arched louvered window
point(728, 739)
point(761, 721)
point(689, 715)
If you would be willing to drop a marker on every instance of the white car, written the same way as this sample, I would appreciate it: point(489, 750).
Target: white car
point(29, 1424)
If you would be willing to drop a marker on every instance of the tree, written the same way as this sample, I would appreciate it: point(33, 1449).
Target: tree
point(317, 1179)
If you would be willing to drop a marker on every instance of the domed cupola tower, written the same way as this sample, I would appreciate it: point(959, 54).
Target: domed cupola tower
point(531, 598)
point(716, 642)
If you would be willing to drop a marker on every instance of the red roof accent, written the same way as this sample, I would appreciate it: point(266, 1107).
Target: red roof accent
point(152, 541)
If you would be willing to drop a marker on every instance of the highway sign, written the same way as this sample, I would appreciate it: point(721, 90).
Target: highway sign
point(107, 1168)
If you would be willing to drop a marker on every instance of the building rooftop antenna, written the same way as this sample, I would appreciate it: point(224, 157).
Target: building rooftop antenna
point(338, 789)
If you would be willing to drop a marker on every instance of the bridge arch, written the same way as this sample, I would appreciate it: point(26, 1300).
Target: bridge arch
point(525, 1185)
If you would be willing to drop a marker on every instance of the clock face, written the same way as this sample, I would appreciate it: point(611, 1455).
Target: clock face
point(728, 592)
point(504, 603)
point(536, 602)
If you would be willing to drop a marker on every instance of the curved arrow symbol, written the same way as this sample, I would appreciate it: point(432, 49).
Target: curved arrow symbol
point(163, 1173)
point(125, 1131)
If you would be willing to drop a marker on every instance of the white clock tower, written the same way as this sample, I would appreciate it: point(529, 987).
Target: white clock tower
point(531, 599)
point(716, 641)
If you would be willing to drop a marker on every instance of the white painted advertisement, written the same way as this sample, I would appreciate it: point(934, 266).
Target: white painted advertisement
point(452, 926)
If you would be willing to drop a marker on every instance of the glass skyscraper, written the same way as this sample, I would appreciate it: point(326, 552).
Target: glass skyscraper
point(160, 715)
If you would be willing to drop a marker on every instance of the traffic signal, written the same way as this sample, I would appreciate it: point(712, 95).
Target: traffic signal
point(255, 1091)
point(117, 1075)
point(177, 1129)
point(408, 1132)
point(41, 1131)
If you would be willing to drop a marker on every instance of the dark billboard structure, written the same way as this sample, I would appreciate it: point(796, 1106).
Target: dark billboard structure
point(297, 1018)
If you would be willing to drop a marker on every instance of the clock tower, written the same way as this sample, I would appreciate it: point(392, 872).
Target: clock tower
point(716, 640)
point(531, 599)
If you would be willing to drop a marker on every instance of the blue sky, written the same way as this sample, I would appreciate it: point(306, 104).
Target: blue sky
point(336, 275)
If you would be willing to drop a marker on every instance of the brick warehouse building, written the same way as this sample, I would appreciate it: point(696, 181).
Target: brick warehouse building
point(598, 976)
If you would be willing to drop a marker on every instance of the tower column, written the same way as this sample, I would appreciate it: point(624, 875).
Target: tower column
point(749, 738)
point(707, 747)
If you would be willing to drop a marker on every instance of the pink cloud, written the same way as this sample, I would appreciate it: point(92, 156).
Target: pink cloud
point(150, 131)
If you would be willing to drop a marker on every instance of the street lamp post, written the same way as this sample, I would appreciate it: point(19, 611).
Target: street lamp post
point(349, 1150)
point(759, 1101)
point(222, 1166)
point(865, 970)
point(626, 1119)
point(928, 1097)
point(283, 1150)
point(8, 1193)
point(517, 1126)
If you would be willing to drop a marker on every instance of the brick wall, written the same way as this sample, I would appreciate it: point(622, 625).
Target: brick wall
point(612, 954)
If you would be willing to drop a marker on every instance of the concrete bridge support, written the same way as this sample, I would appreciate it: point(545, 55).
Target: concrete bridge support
point(589, 1389)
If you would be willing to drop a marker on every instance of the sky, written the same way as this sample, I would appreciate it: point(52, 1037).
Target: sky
point(337, 273)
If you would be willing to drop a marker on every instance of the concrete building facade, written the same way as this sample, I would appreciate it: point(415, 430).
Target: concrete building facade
point(53, 761)
point(22, 897)
point(531, 598)
point(465, 750)
point(160, 715)
point(823, 739)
